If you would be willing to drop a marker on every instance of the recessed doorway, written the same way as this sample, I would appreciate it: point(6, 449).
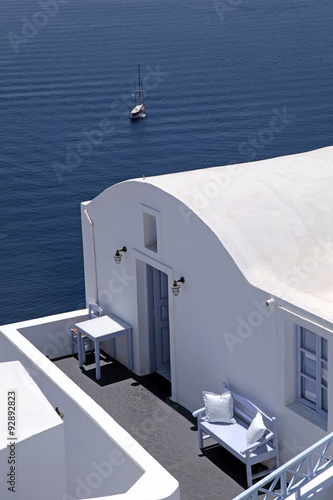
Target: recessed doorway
point(158, 314)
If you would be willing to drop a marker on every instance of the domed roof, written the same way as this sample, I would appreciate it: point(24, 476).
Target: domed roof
point(274, 217)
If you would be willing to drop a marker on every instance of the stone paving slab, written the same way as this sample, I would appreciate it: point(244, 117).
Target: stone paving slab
point(142, 406)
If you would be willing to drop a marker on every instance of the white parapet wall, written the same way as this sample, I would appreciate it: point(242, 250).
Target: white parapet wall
point(32, 441)
point(101, 459)
point(52, 334)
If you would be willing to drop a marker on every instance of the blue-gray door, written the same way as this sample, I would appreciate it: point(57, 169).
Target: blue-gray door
point(158, 302)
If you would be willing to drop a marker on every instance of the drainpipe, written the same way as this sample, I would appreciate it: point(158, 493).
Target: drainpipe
point(91, 222)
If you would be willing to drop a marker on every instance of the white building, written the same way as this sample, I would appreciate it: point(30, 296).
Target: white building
point(253, 243)
point(240, 235)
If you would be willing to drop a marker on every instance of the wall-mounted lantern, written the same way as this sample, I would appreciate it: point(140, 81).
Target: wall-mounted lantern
point(175, 287)
point(117, 256)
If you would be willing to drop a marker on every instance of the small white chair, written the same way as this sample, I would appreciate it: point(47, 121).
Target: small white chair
point(94, 311)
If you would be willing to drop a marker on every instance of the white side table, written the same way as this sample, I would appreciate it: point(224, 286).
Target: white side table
point(100, 329)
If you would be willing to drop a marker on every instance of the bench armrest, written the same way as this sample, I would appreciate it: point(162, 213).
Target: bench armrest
point(255, 445)
point(198, 413)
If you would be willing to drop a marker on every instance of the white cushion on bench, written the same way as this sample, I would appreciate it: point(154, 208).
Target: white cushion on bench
point(256, 430)
point(219, 407)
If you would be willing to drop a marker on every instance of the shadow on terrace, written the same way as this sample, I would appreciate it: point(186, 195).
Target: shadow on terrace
point(142, 406)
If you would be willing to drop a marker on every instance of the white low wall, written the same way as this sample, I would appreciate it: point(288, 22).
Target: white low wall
point(52, 334)
point(102, 459)
point(32, 441)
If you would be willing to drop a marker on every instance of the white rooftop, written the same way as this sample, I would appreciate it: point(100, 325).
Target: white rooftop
point(31, 439)
point(275, 219)
point(33, 413)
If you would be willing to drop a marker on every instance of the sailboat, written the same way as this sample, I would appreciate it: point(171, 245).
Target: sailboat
point(138, 110)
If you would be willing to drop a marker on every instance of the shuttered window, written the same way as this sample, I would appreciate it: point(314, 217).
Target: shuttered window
point(311, 370)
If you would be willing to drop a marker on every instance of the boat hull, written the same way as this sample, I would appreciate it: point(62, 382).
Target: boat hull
point(137, 112)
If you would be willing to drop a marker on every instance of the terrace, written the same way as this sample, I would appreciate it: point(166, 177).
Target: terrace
point(140, 405)
point(150, 440)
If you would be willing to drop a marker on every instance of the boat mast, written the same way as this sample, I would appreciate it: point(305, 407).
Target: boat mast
point(143, 97)
point(139, 84)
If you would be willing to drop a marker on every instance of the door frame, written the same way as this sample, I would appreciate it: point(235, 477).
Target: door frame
point(151, 318)
point(143, 316)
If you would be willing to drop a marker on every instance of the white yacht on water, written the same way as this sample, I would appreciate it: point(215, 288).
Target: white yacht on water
point(139, 110)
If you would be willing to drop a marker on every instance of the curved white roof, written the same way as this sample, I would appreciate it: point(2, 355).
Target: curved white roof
point(275, 218)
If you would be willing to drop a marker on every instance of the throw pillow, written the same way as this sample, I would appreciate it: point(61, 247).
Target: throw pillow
point(256, 430)
point(219, 407)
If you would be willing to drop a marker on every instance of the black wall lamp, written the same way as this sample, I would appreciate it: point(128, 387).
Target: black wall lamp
point(117, 256)
point(175, 287)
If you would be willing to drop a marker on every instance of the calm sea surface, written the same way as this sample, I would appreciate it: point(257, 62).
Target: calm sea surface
point(215, 73)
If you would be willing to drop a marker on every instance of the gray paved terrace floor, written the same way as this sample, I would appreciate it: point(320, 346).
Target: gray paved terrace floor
point(142, 406)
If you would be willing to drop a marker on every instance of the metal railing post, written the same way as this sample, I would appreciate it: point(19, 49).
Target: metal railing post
point(310, 466)
point(283, 483)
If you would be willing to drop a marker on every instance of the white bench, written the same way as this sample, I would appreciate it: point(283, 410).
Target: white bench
point(233, 436)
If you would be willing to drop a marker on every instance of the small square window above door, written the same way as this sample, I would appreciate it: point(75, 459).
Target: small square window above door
point(151, 231)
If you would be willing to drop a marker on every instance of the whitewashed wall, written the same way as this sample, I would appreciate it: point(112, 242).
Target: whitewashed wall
point(52, 335)
point(32, 456)
point(101, 459)
point(220, 327)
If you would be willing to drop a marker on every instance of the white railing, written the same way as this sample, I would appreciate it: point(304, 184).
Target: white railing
point(291, 477)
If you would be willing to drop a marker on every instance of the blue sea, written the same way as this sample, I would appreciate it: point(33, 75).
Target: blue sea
point(216, 73)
